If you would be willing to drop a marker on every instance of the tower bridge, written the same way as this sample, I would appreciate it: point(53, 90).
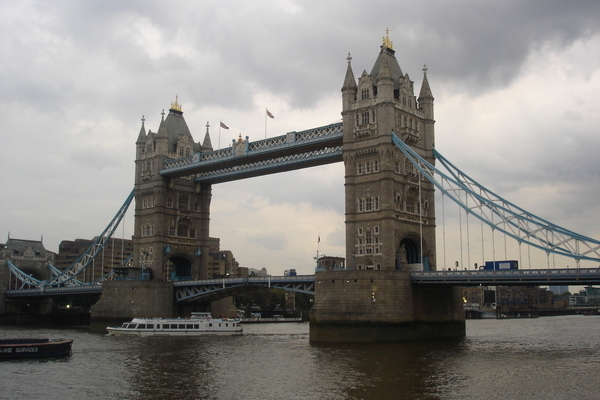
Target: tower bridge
point(386, 141)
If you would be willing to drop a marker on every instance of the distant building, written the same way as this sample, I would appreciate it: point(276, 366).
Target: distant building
point(558, 290)
point(222, 264)
point(521, 298)
point(257, 272)
point(509, 298)
point(30, 256)
point(587, 297)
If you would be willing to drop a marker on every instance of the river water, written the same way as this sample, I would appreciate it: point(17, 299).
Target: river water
point(543, 358)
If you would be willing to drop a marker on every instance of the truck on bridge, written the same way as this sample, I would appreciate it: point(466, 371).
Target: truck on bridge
point(501, 265)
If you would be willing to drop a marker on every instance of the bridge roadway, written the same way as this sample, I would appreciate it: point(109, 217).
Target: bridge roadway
point(211, 289)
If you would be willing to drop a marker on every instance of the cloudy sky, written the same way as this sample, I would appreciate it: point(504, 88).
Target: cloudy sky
point(516, 86)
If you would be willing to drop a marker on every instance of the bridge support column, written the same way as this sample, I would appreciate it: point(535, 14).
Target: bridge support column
point(129, 299)
point(372, 306)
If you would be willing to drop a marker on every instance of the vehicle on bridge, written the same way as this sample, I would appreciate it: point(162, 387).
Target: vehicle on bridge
point(501, 265)
point(199, 324)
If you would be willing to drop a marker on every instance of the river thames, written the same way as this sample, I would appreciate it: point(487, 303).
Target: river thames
point(541, 358)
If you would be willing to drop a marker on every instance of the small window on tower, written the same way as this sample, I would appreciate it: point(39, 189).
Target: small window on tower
point(365, 118)
point(365, 94)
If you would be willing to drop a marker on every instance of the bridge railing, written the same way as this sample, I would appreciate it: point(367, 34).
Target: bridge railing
point(55, 290)
point(246, 280)
point(508, 272)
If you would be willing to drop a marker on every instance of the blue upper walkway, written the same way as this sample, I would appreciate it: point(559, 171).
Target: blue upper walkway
point(245, 159)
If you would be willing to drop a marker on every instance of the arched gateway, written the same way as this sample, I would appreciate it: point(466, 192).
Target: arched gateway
point(390, 217)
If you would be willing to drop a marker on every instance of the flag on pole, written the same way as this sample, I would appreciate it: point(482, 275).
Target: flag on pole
point(269, 114)
point(319, 240)
point(224, 126)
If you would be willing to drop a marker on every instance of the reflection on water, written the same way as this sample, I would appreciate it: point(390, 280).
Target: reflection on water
point(544, 358)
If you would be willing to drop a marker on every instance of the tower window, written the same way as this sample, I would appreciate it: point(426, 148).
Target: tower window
point(365, 118)
point(409, 167)
point(183, 203)
point(182, 230)
point(410, 204)
point(365, 94)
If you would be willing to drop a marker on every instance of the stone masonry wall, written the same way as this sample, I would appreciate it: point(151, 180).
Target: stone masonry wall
point(129, 299)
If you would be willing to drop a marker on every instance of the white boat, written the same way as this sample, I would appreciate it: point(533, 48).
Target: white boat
point(199, 324)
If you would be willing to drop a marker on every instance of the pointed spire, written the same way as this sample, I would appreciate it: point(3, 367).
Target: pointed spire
point(162, 129)
point(349, 81)
point(206, 144)
point(425, 89)
point(142, 135)
point(387, 53)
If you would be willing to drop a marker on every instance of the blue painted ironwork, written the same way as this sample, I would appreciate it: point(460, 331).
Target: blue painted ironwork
point(67, 277)
point(294, 150)
point(211, 289)
point(500, 214)
point(513, 277)
point(49, 291)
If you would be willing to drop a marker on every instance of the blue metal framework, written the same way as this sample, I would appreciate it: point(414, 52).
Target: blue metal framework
point(292, 151)
point(211, 289)
point(49, 291)
point(67, 277)
point(500, 214)
point(514, 277)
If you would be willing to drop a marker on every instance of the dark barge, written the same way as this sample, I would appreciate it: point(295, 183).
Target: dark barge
point(28, 348)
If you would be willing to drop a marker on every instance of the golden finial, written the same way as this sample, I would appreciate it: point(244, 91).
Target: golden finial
point(176, 106)
point(386, 40)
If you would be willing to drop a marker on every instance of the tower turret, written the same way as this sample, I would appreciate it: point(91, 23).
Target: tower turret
point(390, 218)
point(171, 235)
point(426, 105)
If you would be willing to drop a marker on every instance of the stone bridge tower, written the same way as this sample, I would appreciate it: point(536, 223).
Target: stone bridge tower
point(171, 236)
point(390, 217)
point(390, 214)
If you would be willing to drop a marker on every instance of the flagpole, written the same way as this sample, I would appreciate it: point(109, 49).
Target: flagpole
point(220, 134)
point(265, 123)
point(318, 245)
